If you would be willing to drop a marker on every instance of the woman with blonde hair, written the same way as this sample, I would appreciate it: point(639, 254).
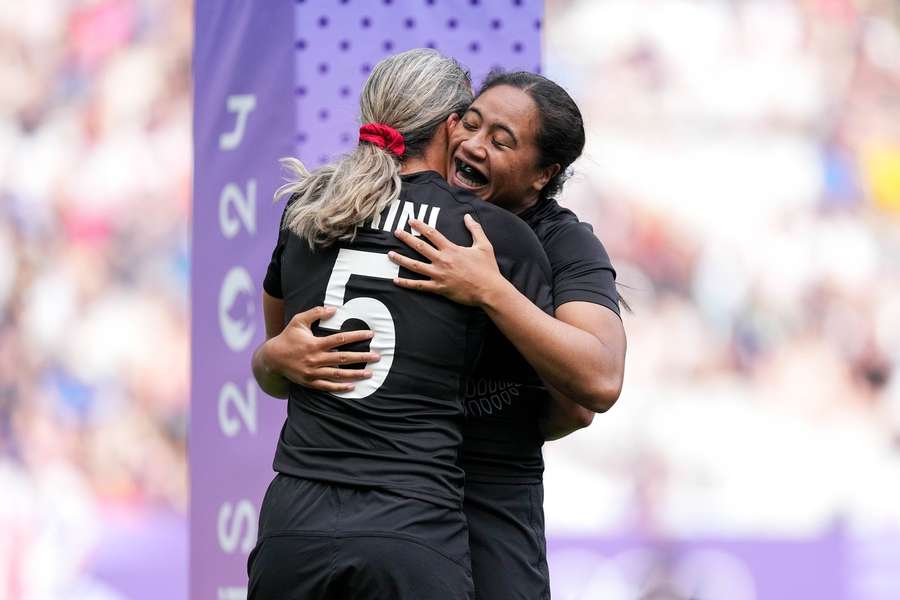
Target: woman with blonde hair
point(367, 502)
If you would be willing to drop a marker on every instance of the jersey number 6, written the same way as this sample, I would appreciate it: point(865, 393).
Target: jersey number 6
point(373, 312)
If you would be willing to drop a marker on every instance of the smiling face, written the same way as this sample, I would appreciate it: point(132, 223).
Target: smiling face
point(493, 149)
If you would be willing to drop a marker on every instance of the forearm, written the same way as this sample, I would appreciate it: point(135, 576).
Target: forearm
point(574, 361)
point(267, 377)
point(581, 352)
point(553, 430)
point(562, 417)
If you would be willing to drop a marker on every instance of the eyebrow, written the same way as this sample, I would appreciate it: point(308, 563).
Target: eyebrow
point(497, 125)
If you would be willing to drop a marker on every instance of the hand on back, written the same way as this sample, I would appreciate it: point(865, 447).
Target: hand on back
point(464, 274)
point(315, 362)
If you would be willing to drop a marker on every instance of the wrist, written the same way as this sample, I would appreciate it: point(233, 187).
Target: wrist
point(494, 293)
point(268, 357)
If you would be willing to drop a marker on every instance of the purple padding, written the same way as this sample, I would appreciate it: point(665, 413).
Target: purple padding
point(243, 119)
point(339, 41)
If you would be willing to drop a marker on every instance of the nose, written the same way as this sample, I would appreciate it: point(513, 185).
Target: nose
point(473, 149)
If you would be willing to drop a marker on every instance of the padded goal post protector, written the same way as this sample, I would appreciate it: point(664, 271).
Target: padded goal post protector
point(275, 79)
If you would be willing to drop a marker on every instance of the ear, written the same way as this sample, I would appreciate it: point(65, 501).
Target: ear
point(546, 174)
point(442, 134)
point(452, 121)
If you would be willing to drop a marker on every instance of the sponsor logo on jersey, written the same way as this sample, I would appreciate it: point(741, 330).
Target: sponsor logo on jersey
point(489, 396)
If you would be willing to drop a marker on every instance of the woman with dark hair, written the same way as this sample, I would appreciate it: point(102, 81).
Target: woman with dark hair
point(513, 147)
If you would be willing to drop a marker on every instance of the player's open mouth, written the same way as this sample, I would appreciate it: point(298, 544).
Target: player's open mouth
point(468, 177)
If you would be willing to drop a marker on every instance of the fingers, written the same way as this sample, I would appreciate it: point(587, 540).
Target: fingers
point(344, 337)
point(434, 236)
point(411, 264)
point(421, 285)
point(329, 386)
point(417, 244)
point(340, 375)
point(478, 236)
point(307, 318)
point(333, 359)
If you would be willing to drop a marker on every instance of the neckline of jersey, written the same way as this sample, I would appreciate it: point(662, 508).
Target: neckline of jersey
point(420, 176)
point(534, 211)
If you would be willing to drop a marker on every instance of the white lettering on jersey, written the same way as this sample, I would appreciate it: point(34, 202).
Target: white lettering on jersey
point(409, 210)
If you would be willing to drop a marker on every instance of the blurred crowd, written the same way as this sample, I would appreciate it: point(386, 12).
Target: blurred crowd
point(95, 173)
point(743, 170)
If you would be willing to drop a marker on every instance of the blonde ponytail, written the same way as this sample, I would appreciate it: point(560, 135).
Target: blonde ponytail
point(413, 92)
point(334, 199)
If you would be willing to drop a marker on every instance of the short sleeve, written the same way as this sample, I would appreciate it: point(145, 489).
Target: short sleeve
point(272, 281)
point(582, 271)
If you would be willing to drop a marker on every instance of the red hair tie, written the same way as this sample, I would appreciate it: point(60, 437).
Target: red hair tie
point(383, 136)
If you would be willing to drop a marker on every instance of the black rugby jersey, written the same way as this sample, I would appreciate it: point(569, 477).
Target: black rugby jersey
point(401, 429)
point(504, 397)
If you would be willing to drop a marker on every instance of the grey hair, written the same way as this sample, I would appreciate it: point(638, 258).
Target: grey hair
point(413, 92)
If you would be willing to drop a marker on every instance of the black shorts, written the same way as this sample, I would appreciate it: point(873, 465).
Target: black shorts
point(506, 537)
point(323, 541)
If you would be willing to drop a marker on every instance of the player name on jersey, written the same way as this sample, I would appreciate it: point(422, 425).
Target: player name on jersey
point(396, 216)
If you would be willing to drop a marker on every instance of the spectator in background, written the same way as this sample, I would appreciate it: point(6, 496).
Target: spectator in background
point(94, 204)
point(749, 159)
